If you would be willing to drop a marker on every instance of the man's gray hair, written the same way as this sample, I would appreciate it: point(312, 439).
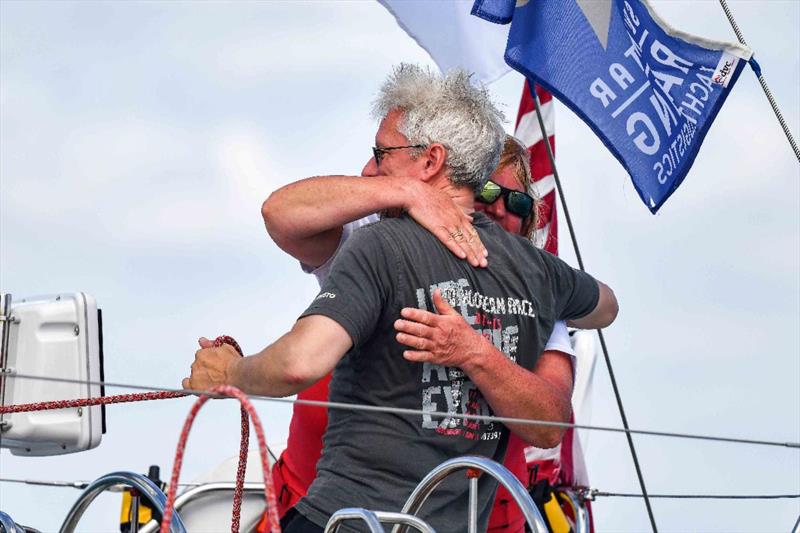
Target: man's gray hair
point(448, 110)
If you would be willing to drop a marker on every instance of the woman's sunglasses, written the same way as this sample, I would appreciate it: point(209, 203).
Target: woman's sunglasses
point(516, 202)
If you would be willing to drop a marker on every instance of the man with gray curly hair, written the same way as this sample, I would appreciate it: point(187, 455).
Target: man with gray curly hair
point(449, 111)
point(374, 322)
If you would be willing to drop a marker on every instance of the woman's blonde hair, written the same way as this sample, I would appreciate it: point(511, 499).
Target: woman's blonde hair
point(516, 154)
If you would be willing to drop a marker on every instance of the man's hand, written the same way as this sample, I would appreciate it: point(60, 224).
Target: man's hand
point(444, 339)
point(511, 391)
point(436, 212)
point(212, 366)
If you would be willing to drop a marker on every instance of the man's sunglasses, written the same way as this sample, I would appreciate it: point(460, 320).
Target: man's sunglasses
point(379, 152)
point(516, 202)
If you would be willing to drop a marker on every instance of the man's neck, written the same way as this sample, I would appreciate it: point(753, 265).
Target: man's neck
point(462, 195)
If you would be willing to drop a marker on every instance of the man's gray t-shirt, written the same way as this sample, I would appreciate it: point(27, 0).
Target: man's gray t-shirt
point(374, 460)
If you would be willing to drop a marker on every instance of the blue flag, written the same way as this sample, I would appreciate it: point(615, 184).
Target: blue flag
point(648, 91)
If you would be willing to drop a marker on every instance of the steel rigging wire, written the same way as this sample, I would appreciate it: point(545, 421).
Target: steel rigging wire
point(419, 412)
point(588, 494)
point(757, 69)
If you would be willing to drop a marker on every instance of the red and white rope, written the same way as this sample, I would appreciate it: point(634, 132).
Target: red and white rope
point(269, 490)
point(88, 402)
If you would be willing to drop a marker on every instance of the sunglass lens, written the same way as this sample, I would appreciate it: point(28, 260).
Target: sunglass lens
point(490, 192)
point(519, 203)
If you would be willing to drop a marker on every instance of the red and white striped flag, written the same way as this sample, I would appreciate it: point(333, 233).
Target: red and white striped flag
point(529, 132)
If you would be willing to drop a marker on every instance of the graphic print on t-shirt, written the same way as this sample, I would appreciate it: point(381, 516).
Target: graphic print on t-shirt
point(448, 389)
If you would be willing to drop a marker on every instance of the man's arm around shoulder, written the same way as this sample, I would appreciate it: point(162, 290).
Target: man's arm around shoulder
point(305, 218)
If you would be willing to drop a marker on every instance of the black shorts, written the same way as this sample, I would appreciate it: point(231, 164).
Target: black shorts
point(294, 522)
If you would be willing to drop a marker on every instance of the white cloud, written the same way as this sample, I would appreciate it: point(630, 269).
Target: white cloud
point(243, 159)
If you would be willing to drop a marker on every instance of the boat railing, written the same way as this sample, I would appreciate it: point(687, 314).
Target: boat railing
point(403, 521)
point(578, 507)
point(354, 513)
point(7, 524)
point(374, 519)
point(199, 491)
point(474, 465)
point(145, 489)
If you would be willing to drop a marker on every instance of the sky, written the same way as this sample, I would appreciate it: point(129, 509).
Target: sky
point(138, 141)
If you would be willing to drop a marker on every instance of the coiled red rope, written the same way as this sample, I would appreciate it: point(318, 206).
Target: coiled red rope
point(269, 490)
point(233, 392)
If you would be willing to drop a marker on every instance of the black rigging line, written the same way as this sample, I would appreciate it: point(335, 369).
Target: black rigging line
point(589, 494)
point(546, 139)
point(418, 412)
point(597, 493)
point(82, 485)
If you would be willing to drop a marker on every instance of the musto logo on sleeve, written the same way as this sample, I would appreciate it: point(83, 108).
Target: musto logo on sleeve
point(448, 389)
point(325, 295)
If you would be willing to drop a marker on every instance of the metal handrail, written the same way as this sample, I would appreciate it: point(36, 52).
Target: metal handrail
point(404, 519)
point(354, 513)
point(581, 514)
point(357, 513)
point(497, 471)
point(147, 489)
point(191, 494)
point(7, 525)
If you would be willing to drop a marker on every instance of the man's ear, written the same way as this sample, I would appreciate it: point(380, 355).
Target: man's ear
point(435, 161)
